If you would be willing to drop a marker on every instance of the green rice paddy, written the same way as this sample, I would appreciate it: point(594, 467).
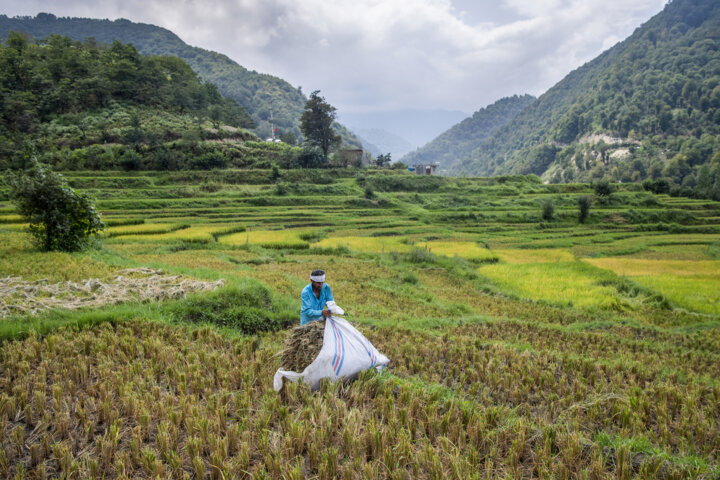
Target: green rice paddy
point(520, 348)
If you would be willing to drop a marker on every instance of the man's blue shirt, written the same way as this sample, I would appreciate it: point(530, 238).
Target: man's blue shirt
point(313, 306)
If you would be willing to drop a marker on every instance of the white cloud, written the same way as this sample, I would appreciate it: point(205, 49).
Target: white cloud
point(382, 54)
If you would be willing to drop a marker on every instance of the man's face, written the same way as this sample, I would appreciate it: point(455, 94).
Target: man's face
point(316, 285)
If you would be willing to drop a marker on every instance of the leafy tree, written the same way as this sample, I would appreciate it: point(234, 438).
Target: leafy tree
point(316, 123)
point(383, 160)
point(59, 217)
point(603, 188)
point(135, 133)
point(130, 160)
point(584, 203)
point(658, 186)
point(311, 157)
point(398, 166)
point(288, 137)
point(215, 115)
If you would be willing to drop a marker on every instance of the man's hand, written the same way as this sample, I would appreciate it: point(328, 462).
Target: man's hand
point(326, 313)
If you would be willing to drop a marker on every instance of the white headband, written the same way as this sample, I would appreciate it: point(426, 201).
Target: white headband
point(318, 278)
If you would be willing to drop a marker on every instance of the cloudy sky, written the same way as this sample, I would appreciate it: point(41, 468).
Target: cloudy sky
point(377, 55)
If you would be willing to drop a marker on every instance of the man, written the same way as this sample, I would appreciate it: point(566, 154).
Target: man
point(314, 297)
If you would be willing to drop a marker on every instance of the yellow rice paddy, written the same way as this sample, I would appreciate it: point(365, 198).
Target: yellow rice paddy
point(468, 250)
point(10, 219)
point(696, 293)
point(195, 233)
point(288, 237)
point(540, 255)
point(694, 285)
point(562, 283)
point(366, 244)
point(142, 229)
point(639, 266)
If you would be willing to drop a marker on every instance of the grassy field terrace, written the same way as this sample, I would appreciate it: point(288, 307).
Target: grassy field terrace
point(519, 347)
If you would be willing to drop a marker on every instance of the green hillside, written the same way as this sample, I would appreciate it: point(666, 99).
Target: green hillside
point(463, 138)
point(83, 106)
point(260, 94)
point(647, 108)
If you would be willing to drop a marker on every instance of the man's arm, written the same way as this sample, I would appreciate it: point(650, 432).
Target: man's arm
point(328, 298)
point(306, 306)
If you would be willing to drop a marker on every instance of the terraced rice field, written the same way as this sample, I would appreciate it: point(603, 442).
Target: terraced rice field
point(519, 348)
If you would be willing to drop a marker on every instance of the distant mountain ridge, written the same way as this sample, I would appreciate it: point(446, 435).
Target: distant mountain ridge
point(416, 126)
point(463, 138)
point(384, 141)
point(656, 95)
point(262, 95)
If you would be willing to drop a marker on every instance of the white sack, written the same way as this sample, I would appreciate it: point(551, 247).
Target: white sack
point(334, 308)
point(344, 354)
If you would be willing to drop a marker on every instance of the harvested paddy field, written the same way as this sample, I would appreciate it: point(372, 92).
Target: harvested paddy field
point(519, 347)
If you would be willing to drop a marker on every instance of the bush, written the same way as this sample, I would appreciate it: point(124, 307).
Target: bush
point(312, 157)
point(657, 186)
point(210, 187)
point(248, 309)
point(421, 255)
point(130, 160)
point(548, 210)
point(281, 188)
point(275, 174)
point(603, 188)
point(59, 217)
point(584, 203)
point(410, 278)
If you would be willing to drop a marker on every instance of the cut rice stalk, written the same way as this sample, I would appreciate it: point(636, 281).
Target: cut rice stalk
point(303, 346)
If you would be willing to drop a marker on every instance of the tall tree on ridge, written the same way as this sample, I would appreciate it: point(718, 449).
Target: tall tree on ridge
point(316, 123)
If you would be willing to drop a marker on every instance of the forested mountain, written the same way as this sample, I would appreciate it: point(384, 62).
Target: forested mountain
point(260, 94)
point(86, 106)
point(463, 138)
point(647, 108)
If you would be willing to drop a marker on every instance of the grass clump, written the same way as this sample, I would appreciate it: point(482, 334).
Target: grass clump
point(421, 255)
point(249, 309)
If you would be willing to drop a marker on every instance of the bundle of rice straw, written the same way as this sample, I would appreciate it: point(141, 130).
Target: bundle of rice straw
point(303, 345)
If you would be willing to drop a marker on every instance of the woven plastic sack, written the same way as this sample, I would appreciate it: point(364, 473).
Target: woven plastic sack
point(344, 354)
